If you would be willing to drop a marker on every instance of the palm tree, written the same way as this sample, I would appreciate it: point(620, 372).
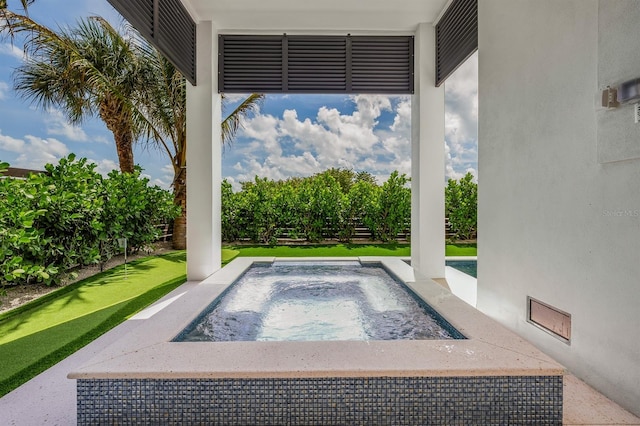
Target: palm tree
point(85, 71)
point(163, 105)
point(3, 9)
point(139, 94)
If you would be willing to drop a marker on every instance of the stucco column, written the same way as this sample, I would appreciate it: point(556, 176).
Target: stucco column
point(427, 160)
point(204, 166)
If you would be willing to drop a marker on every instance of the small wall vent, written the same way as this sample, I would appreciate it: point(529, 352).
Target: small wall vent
point(550, 319)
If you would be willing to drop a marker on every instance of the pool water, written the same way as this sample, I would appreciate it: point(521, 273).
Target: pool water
point(297, 301)
point(469, 267)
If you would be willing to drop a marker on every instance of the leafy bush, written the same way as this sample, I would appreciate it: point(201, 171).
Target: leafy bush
point(256, 210)
point(71, 216)
point(360, 207)
point(394, 207)
point(133, 208)
point(461, 206)
point(320, 204)
point(20, 241)
point(330, 204)
point(229, 213)
point(333, 204)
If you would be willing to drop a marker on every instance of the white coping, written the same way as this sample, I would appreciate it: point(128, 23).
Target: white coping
point(147, 351)
point(154, 309)
point(461, 258)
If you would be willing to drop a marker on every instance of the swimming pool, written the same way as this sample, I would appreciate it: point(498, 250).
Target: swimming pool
point(314, 301)
point(469, 267)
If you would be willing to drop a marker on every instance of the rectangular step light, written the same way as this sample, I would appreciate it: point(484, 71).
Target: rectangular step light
point(550, 319)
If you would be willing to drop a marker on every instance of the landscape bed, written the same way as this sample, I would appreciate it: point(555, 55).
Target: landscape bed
point(492, 376)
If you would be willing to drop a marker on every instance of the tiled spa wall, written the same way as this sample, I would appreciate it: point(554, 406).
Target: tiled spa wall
point(510, 400)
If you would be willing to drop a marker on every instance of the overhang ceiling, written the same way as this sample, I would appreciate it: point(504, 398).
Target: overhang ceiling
point(256, 16)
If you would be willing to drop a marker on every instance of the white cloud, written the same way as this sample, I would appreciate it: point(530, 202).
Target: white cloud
point(4, 90)
point(297, 143)
point(34, 152)
point(233, 98)
point(278, 148)
point(101, 139)
point(104, 166)
point(58, 125)
point(166, 180)
point(449, 171)
point(7, 143)
point(11, 50)
point(461, 120)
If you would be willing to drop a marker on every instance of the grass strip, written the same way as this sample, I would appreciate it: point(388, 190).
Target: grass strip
point(31, 343)
point(461, 250)
point(228, 255)
point(345, 250)
point(334, 250)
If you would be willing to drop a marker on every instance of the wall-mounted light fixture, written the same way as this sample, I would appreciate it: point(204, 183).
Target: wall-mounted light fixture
point(610, 98)
point(625, 93)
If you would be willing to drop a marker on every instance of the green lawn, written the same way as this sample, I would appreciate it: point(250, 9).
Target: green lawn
point(461, 250)
point(41, 333)
point(338, 250)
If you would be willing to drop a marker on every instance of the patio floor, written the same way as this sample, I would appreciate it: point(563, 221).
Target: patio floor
point(50, 398)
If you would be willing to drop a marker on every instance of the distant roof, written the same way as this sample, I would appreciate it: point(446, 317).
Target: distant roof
point(20, 173)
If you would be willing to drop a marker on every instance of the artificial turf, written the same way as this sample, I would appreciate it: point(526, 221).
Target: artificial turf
point(39, 334)
point(461, 249)
point(333, 250)
point(341, 250)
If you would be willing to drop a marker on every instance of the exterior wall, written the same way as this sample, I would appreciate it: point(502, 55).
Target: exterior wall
point(555, 224)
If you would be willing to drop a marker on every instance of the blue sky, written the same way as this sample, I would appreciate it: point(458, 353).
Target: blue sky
point(292, 135)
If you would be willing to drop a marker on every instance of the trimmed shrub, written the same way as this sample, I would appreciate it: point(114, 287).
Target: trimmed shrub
point(71, 216)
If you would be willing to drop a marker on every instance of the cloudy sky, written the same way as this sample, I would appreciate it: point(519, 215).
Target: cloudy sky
point(291, 135)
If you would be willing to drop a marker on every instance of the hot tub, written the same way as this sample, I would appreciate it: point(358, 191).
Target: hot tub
point(492, 376)
point(314, 301)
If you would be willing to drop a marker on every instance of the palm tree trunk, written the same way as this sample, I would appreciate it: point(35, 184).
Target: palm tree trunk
point(180, 199)
point(124, 146)
point(114, 115)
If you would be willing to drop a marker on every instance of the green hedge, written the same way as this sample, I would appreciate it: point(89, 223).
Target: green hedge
point(331, 204)
point(461, 207)
point(72, 216)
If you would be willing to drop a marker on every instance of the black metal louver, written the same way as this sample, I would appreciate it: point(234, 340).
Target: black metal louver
point(456, 37)
point(137, 13)
point(315, 64)
point(167, 25)
point(254, 61)
point(382, 63)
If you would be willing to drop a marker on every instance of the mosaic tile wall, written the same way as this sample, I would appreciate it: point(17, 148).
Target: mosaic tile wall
point(506, 400)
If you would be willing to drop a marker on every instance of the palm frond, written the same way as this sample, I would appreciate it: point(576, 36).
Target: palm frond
point(233, 122)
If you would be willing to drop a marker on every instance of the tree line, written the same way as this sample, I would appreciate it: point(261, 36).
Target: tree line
point(335, 204)
point(72, 216)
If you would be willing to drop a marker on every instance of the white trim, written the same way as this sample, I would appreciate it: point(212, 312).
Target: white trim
point(442, 12)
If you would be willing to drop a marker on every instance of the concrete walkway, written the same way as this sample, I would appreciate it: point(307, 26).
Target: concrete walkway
point(50, 398)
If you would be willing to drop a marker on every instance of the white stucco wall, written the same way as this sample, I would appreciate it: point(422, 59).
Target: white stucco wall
point(554, 223)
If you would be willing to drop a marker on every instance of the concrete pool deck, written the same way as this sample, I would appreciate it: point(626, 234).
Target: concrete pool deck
point(148, 352)
point(50, 398)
